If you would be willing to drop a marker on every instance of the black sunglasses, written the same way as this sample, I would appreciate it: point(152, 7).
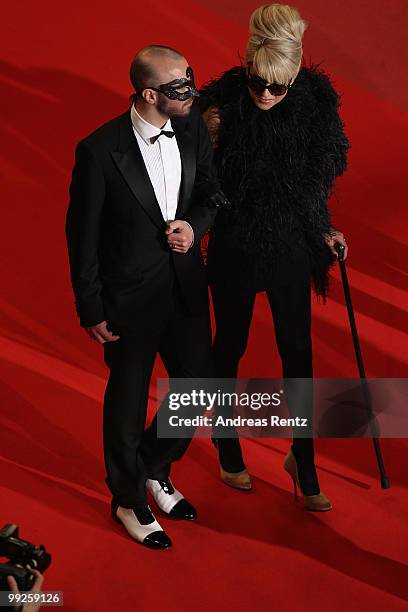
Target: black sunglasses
point(259, 85)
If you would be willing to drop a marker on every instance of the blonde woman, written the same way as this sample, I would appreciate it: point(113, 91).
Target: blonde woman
point(279, 145)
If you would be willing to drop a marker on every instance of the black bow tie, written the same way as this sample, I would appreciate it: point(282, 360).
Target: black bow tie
point(168, 134)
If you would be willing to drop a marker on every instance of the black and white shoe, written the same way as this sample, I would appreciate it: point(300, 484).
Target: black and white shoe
point(141, 525)
point(170, 500)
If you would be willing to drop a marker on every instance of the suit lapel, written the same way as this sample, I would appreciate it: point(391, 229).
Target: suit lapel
point(129, 161)
point(188, 164)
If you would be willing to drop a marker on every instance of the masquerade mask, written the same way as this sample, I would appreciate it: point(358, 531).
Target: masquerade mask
point(179, 89)
point(258, 85)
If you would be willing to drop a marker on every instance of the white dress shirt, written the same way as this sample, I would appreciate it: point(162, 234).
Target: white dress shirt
point(162, 161)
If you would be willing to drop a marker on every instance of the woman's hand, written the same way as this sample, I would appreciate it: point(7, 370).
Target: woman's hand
point(332, 239)
point(212, 119)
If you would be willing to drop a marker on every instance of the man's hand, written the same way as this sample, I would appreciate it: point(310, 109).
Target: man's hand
point(36, 588)
point(333, 238)
point(180, 236)
point(101, 333)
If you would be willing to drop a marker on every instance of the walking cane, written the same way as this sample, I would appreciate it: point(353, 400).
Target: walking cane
point(385, 483)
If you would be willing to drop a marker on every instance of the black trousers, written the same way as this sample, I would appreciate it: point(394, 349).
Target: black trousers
point(132, 453)
point(290, 303)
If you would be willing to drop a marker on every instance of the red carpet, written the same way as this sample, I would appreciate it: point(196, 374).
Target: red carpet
point(62, 73)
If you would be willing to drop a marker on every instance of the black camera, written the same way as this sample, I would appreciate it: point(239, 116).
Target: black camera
point(20, 553)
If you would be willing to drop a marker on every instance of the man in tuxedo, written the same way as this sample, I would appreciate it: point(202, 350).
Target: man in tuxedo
point(140, 200)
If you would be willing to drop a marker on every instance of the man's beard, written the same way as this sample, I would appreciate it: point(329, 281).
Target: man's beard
point(166, 107)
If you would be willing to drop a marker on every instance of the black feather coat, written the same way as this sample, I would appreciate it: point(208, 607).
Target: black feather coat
point(278, 168)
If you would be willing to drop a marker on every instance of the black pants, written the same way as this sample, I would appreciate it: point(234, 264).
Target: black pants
point(132, 453)
point(290, 304)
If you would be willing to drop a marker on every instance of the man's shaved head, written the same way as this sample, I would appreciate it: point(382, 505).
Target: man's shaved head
point(145, 67)
point(153, 66)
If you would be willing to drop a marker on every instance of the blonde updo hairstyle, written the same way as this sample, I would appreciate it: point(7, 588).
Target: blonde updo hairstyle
point(274, 50)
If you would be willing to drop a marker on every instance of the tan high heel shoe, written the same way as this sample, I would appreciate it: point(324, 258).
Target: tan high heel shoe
point(314, 503)
point(238, 480)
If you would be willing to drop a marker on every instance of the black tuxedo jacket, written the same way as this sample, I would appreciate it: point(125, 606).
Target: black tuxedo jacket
point(121, 265)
